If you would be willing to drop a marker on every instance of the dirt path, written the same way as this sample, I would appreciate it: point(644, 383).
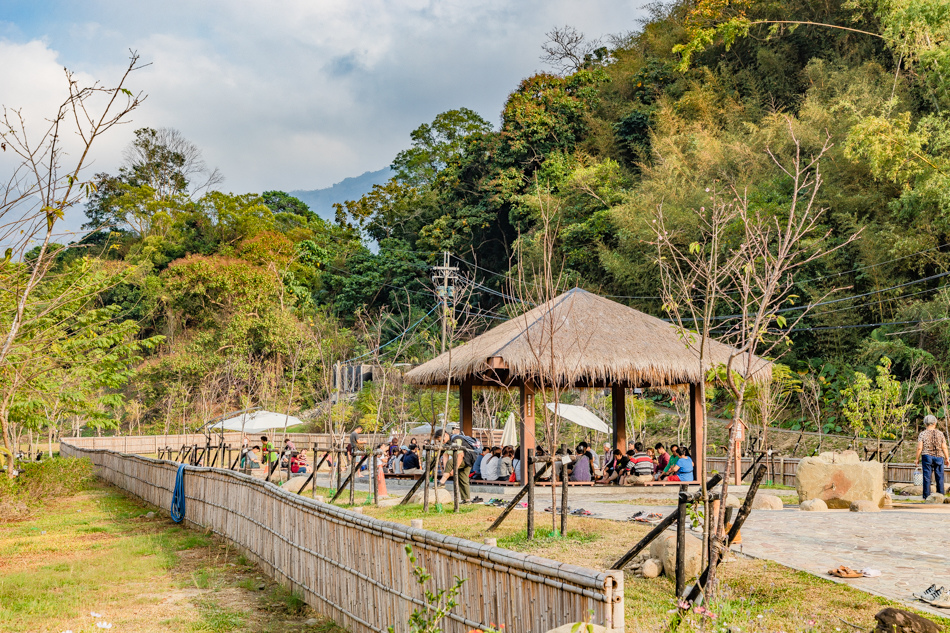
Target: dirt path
point(98, 558)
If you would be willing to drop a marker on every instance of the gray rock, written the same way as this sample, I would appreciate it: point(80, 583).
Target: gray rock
point(911, 491)
point(813, 505)
point(295, 483)
point(767, 502)
point(664, 549)
point(149, 515)
point(935, 498)
point(862, 505)
point(732, 501)
point(651, 568)
point(312, 622)
point(840, 478)
point(444, 496)
point(892, 620)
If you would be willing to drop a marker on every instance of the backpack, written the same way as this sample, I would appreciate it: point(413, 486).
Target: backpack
point(470, 448)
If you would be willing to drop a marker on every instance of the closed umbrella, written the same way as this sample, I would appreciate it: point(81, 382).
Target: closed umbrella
point(509, 437)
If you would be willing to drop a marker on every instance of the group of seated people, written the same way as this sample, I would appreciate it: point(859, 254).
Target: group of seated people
point(654, 464)
point(255, 457)
point(635, 467)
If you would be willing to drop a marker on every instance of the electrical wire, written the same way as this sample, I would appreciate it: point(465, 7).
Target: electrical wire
point(397, 337)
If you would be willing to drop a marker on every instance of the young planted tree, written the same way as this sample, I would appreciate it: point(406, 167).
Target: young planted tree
point(876, 408)
point(775, 244)
point(41, 189)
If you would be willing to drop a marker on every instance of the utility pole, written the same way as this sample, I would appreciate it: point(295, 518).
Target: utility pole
point(445, 274)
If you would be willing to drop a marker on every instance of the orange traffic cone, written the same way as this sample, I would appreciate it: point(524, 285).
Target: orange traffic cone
point(381, 482)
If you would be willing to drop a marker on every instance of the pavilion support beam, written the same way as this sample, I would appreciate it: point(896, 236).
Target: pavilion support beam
point(618, 394)
point(527, 426)
point(696, 439)
point(466, 408)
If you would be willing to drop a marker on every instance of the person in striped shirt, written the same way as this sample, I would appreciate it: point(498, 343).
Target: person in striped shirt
point(932, 451)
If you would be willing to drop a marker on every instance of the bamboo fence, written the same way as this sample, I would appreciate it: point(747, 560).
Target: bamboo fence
point(354, 568)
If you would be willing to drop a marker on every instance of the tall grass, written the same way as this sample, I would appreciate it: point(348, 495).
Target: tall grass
point(38, 482)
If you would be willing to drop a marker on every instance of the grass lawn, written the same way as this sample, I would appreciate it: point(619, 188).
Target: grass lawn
point(756, 595)
point(95, 552)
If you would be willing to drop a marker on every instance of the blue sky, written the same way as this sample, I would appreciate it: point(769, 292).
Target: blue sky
point(296, 94)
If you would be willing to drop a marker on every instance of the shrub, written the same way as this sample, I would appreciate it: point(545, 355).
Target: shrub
point(41, 481)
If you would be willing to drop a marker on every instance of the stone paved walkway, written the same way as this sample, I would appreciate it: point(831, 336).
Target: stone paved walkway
point(906, 545)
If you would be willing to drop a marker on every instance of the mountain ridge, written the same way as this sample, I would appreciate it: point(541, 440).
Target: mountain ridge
point(321, 201)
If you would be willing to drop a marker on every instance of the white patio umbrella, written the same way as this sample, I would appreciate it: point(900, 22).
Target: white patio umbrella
point(426, 429)
point(257, 421)
point(579, 415)
point(509, 437)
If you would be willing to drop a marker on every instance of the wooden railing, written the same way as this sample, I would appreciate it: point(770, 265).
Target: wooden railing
point(354, 568)
point(150, 444)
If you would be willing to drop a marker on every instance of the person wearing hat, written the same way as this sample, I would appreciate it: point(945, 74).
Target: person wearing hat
point(932, 453)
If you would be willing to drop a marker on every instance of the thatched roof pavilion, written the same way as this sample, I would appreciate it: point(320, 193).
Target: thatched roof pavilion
point(579, 339)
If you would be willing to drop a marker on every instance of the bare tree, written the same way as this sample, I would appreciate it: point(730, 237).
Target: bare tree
point(568, 50)
point(168, 162)
point(43, 187)
point(773, 247)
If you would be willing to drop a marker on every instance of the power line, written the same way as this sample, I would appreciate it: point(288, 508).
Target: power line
point(397, 337)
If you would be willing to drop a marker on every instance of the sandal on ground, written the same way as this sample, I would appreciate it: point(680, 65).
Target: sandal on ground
point(635, 516)
point(654, 515)
point(845, 572)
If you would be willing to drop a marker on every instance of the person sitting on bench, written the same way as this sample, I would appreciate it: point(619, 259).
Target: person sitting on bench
point(683, 469)
point(253, 459)
point(410, 462)
point(491, 465)
point(614, 468)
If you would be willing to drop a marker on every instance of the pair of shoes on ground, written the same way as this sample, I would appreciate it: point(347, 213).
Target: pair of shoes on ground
point(581, 512)
point(557, 510)
point(938, 597)
point(844, 571)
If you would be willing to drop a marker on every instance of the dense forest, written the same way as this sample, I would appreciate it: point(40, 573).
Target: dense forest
point(196, 301)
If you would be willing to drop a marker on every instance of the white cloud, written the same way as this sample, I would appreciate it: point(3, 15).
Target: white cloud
point(298, 94)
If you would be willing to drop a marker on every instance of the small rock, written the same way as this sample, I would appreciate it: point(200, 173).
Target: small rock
point(767, 502)
point(312, 622)
point(732, 501)
point(261, 587)
point(149, 515)
point(892, 620)
point(935, 498)
point(813, 505)
point(863, 505)
point(295, 483)
point(651, 568)
point(664, 550)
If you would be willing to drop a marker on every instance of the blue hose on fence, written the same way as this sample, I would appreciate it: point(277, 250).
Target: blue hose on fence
point(178, 496)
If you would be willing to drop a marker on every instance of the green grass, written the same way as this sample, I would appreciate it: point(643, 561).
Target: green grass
point(217, 619)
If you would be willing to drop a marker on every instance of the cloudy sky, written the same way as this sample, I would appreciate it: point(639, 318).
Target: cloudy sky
point(289, 94)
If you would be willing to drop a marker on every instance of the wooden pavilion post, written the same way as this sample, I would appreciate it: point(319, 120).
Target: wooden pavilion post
point(619, 416)
point(465, 407)
point(696, 440)
point(527, 427)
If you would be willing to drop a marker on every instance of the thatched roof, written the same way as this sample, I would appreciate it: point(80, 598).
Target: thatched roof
point(594, 342)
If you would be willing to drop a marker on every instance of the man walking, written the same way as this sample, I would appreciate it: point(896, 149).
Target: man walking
point(932, 452)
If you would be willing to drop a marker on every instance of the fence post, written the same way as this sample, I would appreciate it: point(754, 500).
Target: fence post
point(529, 456)
point(563, 499)
point(681, 542)
point(353, 477)
point(455, 480)
point(374, 481)
point(425, 483)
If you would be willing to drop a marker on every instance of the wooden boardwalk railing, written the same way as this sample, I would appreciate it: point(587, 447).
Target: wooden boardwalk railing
point(354, 568)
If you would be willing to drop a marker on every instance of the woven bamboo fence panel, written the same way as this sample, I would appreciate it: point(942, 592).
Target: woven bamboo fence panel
point(354, 568)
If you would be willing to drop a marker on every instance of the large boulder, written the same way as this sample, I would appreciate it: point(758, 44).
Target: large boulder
point(894, 620)
point(813, 505)
point(767, 502)
point(294, 484)
point(838, 479)
point(444, 496)
point(935, 497)
point(732, 501)
point(664, 549)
